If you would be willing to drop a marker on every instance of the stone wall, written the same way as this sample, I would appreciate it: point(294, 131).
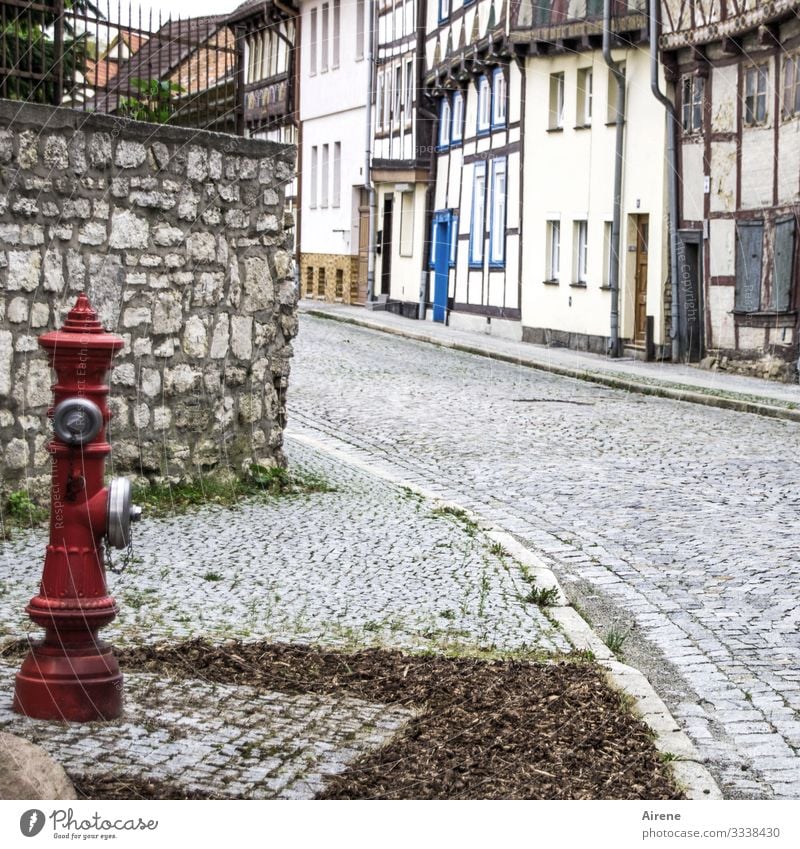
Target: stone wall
point(178, 238)
point(329, 277)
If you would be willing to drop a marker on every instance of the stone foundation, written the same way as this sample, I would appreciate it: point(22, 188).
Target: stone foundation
point(329, 277)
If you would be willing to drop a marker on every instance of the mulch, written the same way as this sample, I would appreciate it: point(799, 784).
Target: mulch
point(484, 729)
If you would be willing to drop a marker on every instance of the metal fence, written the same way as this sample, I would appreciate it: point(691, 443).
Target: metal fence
point(115, 60)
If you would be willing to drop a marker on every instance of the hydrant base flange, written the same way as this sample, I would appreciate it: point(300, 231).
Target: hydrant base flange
point(77, 685)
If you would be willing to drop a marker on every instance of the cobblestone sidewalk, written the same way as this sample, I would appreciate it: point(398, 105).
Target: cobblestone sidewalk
point(366, 564)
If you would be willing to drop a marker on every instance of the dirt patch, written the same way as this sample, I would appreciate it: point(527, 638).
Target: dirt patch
point(505, 729)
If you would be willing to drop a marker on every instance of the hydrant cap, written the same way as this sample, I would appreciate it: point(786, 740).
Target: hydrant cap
point(82, 321)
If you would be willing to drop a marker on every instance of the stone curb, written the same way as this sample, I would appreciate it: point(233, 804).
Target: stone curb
point(689, 766)
point(612, 381)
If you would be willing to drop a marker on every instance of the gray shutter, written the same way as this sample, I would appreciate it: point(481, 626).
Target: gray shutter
point(784, 264)
point(749, 251)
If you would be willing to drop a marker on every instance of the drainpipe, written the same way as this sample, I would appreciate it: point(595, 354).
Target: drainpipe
point(614, 347)
point(368, 185)
point(433, 117)
point(672, 173)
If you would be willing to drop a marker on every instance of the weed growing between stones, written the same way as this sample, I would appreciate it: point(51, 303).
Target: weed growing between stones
point(226, 491)
point(19, 511)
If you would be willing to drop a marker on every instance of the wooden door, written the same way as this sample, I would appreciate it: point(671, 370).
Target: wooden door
point(360, 296)
point(640, 299)
point(386, 245)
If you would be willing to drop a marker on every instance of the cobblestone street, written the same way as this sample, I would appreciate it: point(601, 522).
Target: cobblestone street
point(674, 526)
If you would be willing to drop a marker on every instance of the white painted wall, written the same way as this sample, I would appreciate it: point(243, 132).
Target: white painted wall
point(332, 109)
point(569, 175)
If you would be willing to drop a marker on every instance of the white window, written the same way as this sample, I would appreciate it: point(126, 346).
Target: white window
point(585, 93)
point(581, 250)
point(312, 37)
point(444, 123)
point(755, 95)
point(692, 99)
point(556, 101)
point(313, 196)
point(553, 270)
point(458, 117)
point(612, 95)
point(337, 28)
point(607, 253)
point(379, 102)
point(360, 7)
point(325, 181)
point(477, 225)
point(337, 174)
point(325, 35)
point(497, 225)
point(410, 91)
point(397, 93)
point(484, 105)
point(791, 86)
point(498, 98)
point(444, 10)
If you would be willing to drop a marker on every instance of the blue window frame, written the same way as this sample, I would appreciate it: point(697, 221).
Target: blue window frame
point(444, 123)
point(444, 10)
point(499, 98)
point(484, 106)
point(497, 213)
point(478, 215)
point(453, 239)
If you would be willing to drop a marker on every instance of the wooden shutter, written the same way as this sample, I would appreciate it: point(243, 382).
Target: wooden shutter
point(749, 252)
point(784, 264)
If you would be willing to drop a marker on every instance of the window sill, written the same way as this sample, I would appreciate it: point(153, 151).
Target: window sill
point(551, 282)
point(484, 131)
point(497, 266)
point(500, 126)
point(475, 265)
point(555, 129)
point(582, 127)
point(611, 123)
point(577, 285)
point(606, 288)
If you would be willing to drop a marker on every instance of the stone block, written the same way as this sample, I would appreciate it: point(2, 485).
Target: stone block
point(167, 313)
point(56, 154)
point(24, 270)
point(242, 336)
point(28, 772)
point(258, 285)
point(220, 338)
point(128, 230)
point(130, 154)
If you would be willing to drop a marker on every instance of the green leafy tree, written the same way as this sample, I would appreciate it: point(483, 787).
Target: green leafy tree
point(155, 101)
point(29, 50)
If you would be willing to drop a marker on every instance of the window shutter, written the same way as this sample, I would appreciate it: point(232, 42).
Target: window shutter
point(749, 250)
point(784, 263)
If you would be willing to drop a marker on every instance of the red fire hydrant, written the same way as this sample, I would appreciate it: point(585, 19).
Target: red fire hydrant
point(70, 674)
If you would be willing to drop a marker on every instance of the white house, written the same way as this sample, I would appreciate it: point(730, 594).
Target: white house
point(333, 92)
point(401, 155)
point(570, 153)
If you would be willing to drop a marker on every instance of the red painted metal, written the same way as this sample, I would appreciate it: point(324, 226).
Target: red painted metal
point(71, 674)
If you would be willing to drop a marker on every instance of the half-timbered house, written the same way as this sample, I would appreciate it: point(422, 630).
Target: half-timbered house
point(474, 274)
point(736, 69)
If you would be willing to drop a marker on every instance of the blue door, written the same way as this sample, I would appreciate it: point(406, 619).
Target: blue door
point(441, 265)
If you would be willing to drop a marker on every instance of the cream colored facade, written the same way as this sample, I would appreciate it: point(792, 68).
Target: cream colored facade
point(569, 179)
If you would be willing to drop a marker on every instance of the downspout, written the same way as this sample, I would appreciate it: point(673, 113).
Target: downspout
point(672, 174)
point(429, 199)
point(613, 282)
point(368, 185)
